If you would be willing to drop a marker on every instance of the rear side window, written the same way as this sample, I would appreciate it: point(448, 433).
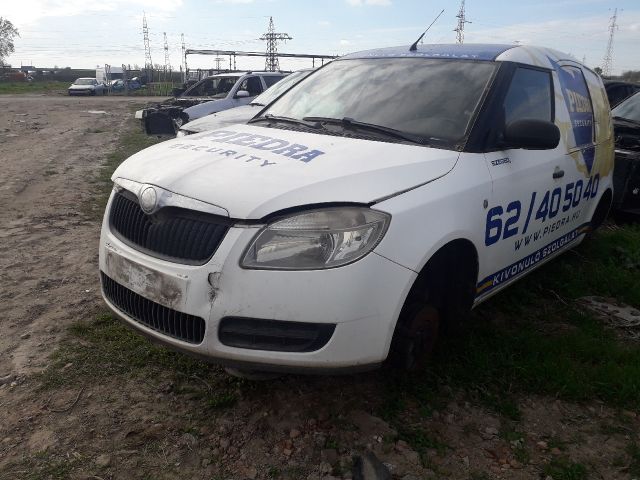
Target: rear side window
point(529, 96)
point(578, 101)
point(272, 80)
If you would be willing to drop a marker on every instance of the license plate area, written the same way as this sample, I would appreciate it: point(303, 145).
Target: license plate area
point(165, 289)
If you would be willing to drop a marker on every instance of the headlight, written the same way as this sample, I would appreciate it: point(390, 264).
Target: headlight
point(182, 133)
point(317, 239)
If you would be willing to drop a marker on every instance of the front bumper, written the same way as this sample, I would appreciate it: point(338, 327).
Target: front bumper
point(362, 299)
point(81, 92)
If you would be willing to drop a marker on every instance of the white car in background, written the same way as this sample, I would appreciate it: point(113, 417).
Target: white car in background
point(244, 113)
point(220, 92)
point(87, 86)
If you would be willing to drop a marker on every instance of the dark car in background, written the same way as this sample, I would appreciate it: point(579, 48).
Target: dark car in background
point(626, 177)
point(618, 90)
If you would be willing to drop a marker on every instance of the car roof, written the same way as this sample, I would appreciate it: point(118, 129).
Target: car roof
point(532, 55)
point(240, 74)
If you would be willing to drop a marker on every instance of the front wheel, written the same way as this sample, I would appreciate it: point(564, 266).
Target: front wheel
point(416, 337)
point(439, 302)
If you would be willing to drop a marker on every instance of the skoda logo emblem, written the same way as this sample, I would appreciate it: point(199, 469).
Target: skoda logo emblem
point(148, 200)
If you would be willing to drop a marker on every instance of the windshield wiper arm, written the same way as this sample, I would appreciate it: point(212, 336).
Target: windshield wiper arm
point(274, 118)
point(350, 122)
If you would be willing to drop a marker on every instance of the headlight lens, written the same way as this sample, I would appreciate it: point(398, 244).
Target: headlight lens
point(317, 240)
point(182, 133)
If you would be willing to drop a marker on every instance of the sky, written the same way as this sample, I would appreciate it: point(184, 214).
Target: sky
point(88, 33)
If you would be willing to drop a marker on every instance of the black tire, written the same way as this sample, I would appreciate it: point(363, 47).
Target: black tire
point(439, 303)
point(600, 213)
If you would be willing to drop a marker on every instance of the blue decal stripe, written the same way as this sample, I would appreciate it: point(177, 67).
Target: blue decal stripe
point(527, 263)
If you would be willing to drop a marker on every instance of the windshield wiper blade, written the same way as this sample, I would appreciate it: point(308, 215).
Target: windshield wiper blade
point(274, 118)
point(350, 122)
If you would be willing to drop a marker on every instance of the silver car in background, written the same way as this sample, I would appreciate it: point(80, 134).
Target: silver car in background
point(87, 86)
point(243, 113)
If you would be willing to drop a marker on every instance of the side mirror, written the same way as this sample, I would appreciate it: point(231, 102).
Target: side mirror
point(242, 94)
point(531, 134)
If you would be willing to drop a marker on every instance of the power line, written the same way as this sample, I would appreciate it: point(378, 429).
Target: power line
point(461, 21)
point(148, 63)
point(167, 63)
point(183, 60)
point(271, 63)
point(607, 63)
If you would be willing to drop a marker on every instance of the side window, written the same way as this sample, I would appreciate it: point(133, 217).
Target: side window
point(578, 102)
point(253, 85)
point(529, 96)
point(272, 80)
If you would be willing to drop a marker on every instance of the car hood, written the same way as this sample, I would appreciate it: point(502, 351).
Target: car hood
point(216, 120)
point(81, 87)
point(252, 171)
point(207, 108)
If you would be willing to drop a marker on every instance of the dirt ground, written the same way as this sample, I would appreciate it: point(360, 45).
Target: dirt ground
point(293, 427)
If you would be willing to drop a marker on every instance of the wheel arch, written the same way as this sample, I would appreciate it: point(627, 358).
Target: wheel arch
point(601, 209)
point(462, 248)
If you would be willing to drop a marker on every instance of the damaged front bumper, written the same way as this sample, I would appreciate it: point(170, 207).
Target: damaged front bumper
point(328, 321)
point(167, 118)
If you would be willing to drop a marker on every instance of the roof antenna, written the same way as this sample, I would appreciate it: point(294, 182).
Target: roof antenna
point(414, 47)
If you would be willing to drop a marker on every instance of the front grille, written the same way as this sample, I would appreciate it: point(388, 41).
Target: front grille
point(274, 335)
point(172, 323)
point(171, 233)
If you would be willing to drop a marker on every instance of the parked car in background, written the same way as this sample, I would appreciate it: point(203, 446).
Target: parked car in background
point(363, 211)
point(245, 112)
point(87, 86)
point(229, 90)
point(119, 85)
point(626, 176)
point(618, 90)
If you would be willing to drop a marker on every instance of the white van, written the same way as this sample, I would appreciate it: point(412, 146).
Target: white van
point(372, 205)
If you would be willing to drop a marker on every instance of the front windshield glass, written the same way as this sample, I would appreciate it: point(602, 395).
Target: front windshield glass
point(84, 81)
point(217, 87)
point(629, 109)
point(433, 99)
point(283, 85)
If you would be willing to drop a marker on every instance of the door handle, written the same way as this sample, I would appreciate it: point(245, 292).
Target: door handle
point(558, 173)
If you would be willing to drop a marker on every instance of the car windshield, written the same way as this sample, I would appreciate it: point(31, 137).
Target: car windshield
point(629, 109)
point(282, 86)
point(432, 99)
point(84, 81)
point(212, 87)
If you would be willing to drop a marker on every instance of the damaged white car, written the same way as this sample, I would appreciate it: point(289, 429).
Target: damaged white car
point(369, 207)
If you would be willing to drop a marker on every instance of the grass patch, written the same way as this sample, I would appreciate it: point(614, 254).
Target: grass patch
point(564, 469)
point(44, 466)
point(33, 87)
point(131, 141)
point(533, 338)
point(607, 265)
point(583, 363)
point(633, 450)
point(105, 348)
point(421, 442)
